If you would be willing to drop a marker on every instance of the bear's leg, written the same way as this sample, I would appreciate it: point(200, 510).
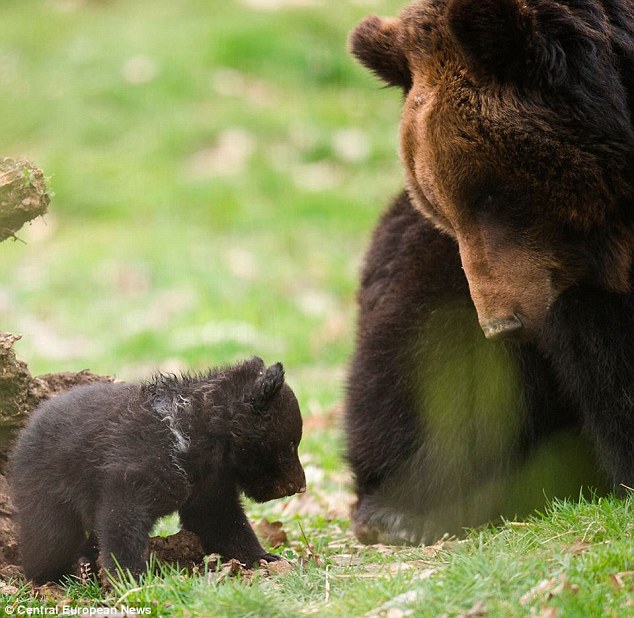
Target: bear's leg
point(50, 537)
point(88, 556)
point(217, 517)
point(383, 426)
point(123, 523)
point(124, 539)
point(589, 337)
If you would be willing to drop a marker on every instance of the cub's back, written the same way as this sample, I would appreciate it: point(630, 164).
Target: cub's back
point(58, 453)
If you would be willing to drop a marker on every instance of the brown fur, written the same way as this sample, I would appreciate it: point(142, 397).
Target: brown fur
point(484, 147)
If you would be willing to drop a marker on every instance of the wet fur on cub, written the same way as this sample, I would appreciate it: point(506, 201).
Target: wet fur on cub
point(97, 466)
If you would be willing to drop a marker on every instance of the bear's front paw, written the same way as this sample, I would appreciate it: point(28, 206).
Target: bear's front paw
point(269, 558)
point(374, 523)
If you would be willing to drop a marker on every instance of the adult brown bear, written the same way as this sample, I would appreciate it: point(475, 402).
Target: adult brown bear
point(517, 222)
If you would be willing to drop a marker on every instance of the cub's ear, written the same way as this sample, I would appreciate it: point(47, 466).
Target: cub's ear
point(378, 45)
point(267, 386)
point(256, 363)
point(504, 39)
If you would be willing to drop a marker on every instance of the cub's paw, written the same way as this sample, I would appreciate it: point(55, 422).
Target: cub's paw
point(279, 566)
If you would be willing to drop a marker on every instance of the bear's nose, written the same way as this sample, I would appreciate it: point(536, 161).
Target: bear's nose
point(501, 328)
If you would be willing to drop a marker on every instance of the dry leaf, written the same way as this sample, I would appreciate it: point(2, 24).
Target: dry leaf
point(477, 610)
point(396, 605)
point(50, 592)
point(578, 547)
point(271, 532)
point(542, 588)
point(63, 602)
point(431, 551)
point(7, 588)
point(279, 567)
point(310, 557)
point(228, 569)
point(617, 579)
point(548, 588)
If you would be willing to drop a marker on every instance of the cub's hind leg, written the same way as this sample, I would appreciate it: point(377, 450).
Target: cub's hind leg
point(51, 536)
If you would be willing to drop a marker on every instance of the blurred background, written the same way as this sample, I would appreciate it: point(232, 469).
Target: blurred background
point(217, 168)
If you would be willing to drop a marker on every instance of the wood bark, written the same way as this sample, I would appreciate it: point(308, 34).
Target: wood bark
point(23, 195)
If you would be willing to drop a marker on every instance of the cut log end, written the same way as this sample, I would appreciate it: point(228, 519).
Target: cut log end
point(23, 195)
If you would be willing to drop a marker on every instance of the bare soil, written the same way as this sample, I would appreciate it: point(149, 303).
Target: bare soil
point(182, 549)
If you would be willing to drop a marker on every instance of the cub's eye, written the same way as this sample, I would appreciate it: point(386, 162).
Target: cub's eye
point(293, 447)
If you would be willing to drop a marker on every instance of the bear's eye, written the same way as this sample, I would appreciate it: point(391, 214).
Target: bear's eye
point(293, 447)
point(489, 204)
point(504, 206)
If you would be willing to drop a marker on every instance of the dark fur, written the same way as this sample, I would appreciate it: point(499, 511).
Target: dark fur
point(518, 144)
point(110, 459)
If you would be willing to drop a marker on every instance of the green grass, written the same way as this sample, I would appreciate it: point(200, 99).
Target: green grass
point(217, 172)
point(576, 560)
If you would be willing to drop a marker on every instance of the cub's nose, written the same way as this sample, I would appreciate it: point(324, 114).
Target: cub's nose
point(501, 328)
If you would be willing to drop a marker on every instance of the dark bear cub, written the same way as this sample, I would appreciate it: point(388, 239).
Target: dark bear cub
point(97, 466)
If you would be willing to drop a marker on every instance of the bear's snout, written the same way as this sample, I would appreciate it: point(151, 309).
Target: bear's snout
point(502, 328)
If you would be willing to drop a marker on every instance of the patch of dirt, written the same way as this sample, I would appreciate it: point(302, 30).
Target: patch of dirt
point(8, 535)
point(21, 393)
point(182, 549)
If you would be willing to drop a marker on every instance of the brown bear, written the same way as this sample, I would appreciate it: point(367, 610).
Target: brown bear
point(494, 358)
point(109, 459)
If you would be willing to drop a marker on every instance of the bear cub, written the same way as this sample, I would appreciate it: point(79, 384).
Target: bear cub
point(95, 467)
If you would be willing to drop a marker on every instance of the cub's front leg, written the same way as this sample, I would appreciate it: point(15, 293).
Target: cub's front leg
point(123, 524)
point(217, 517)
point(130, 505)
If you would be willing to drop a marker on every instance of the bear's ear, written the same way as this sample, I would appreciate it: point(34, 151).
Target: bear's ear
point(255, 362)
point(378, 45)
point(266, 386)
point(503, 39)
